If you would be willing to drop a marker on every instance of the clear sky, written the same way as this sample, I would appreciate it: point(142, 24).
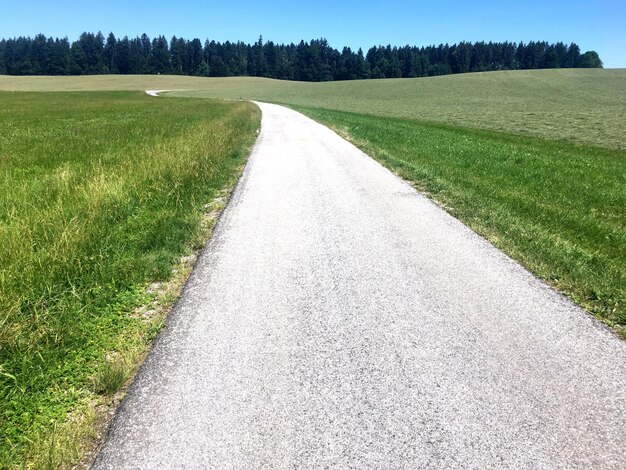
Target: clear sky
point(598, 25)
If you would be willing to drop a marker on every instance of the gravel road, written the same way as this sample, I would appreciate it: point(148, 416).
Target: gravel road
point(339, 319)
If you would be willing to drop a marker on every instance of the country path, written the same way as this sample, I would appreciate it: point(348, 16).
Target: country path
point(339, 319)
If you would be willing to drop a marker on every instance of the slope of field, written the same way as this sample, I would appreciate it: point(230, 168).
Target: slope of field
point(584, 105)
point(101, 195)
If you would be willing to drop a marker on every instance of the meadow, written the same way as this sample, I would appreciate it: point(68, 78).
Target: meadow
point(104, 198)
point(586, 106)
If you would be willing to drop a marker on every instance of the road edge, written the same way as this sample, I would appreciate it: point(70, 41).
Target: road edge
point(106, 415)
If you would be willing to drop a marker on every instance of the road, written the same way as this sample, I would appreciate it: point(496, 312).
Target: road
point(155, 92)
point(339, 319)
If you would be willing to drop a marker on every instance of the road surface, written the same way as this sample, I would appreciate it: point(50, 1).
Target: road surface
point(155, 92)
point(339, 319)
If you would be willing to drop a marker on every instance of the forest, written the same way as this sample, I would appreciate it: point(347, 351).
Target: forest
point(313, 61)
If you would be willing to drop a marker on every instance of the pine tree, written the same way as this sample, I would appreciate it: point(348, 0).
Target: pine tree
point(109, 52)
point(195, 57)
point(572, 57)
point(178, 51)
point(311, 61)
point(58, 57)
point(160, 57)
point(561, 52)
point(550, 59)
point(121, 55)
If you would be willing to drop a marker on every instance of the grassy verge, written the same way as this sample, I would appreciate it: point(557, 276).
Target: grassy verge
point(101, 196)
point(558, 208)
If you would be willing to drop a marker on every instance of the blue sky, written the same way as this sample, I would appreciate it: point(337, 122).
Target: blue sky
point(594, 25)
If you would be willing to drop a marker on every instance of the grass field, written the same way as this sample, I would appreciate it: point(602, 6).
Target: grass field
point(101, 196)
point(584, 106)
point(587, 106)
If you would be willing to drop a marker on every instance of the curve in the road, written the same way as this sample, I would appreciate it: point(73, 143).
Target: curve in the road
point(339, 319)
point(155, 92)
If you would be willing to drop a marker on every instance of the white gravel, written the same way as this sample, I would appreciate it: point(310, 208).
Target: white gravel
point(339, 319)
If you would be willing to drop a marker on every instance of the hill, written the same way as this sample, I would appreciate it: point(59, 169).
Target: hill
point(586, 106)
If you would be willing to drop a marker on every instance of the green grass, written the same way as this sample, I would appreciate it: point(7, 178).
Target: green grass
point(558, 208)
point(101, 195)
point(113, 375)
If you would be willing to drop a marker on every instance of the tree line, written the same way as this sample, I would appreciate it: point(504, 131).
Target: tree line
point(308, 61)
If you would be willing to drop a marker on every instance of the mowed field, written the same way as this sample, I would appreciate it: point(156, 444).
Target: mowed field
point(104, 198)
point(533, 160)
point(585, 106)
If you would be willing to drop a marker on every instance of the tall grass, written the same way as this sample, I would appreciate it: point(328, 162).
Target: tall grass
point(100, 195)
